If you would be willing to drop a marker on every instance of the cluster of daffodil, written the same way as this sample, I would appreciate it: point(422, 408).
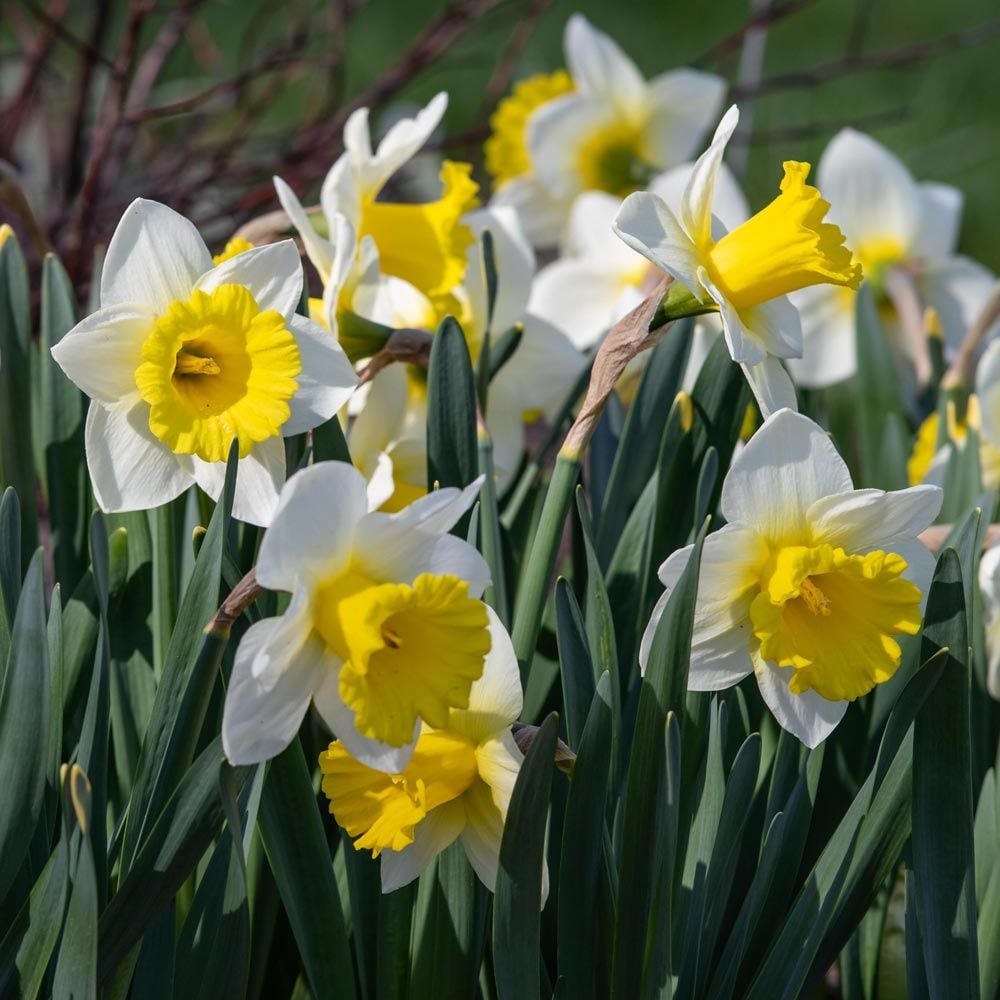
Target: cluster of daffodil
point(808, 585)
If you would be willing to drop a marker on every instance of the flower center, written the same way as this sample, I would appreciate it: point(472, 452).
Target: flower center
point(215, 368)
point(831, 616)
point(506, 149)
point(877, 256)
point(611, 160)
point(382, 810)
point(409, 651)
point(784, 247)
point(425, 244)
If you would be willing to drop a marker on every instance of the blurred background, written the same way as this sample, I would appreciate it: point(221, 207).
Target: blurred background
point(198, 103)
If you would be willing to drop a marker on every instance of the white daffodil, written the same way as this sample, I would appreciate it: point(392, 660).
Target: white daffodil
point(890, 221)
point(184, 357)
point(749, 272)
point(808, 582)
point(599, 279)
point(456, 786)
point(384, 628)
point(601, 127)
point(989, 586)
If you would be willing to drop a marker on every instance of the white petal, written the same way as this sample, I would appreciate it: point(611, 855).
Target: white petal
point(357, 135)
point(958, 289)
point(259, 478)
point(504, 417)
point(870, 519)
point(272, 273)
point(556, 131)
point(940, 221)
point(381, 481)
point(771, 386)
point(648, 226)
point(682, 103)
point(829, 345)
point(130, 469)
point(340, 719)
point(872, 196)
point(440, 510)
point(744, 345)
point(325, 382)
point(729, 204)
point(600, 68)
point(312, 530)
point(590, 232)
point(432, 835)
point(381, 421)
point(989, 580)
point(406, 138)
point(102, 352)
point(786, 466)
point(482, 834)
point(153, 259)
point(920, 563)
point(988, 391)
point(515, 266)
point(777, 326)
point(388, 549)
point(583, 297)
point(341, 193)
point(259, 720)
point(542, 215)
point(699, 195)
point(809, 717)
point(319, 250)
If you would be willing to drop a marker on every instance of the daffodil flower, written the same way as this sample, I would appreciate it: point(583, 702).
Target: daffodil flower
point(384, 630)
point(182, 358)
point(809, 582)
point(989, 586)
point(457, 784)
point(599, 279)
point(602, 127)
point(749, 272)
point(890, 221)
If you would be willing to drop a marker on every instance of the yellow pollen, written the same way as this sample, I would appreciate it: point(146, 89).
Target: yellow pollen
point(216, 368)
point(784, 247)
point(506, 150)
point(831, 617)
point(233, 248)
point(611, 159)
point(382, 810)
point(409, 651)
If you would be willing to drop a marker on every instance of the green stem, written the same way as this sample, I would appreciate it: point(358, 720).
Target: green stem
point(164, 582)
point(534, 587)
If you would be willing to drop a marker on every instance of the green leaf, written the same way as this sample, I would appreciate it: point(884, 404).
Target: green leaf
point(60, 432)
point(943, 848)
point(579, 948)
point(359, 337)
point(518, 901)
point(452, 452)
point(392, 942)
point(25, 705)
point(492, 539)
point(576, 668)
point(299, 857)
point(189, 675)
point(638, 448)
point(10, 559)
point(176, 842)
point(17, 461)
point(329, 443)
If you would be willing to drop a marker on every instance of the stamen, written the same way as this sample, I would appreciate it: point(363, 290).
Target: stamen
point(815, 600)
point(192, 364)
point(392, 639)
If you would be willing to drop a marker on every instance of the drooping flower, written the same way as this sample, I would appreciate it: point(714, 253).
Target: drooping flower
point(384, 629)
point(602, 127)
point(183, 358)
point(457, 784)
point(809, 583)
point(890, 221)
point(747, 273)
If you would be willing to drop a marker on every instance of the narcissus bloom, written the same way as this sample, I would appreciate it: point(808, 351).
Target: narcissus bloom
point(385, 627)
point(457, 784)
point(890, 221)
point(749, 272)
point(809, 583)
point(601, 127)
point(183, 358)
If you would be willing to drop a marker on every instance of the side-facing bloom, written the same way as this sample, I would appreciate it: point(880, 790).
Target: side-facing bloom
point(602, 127)
point(989, 586)
point(749, 272)
point(384, 629)
point(183, 358)
point(456, 786)
point(890, 221)
point(808, 583)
